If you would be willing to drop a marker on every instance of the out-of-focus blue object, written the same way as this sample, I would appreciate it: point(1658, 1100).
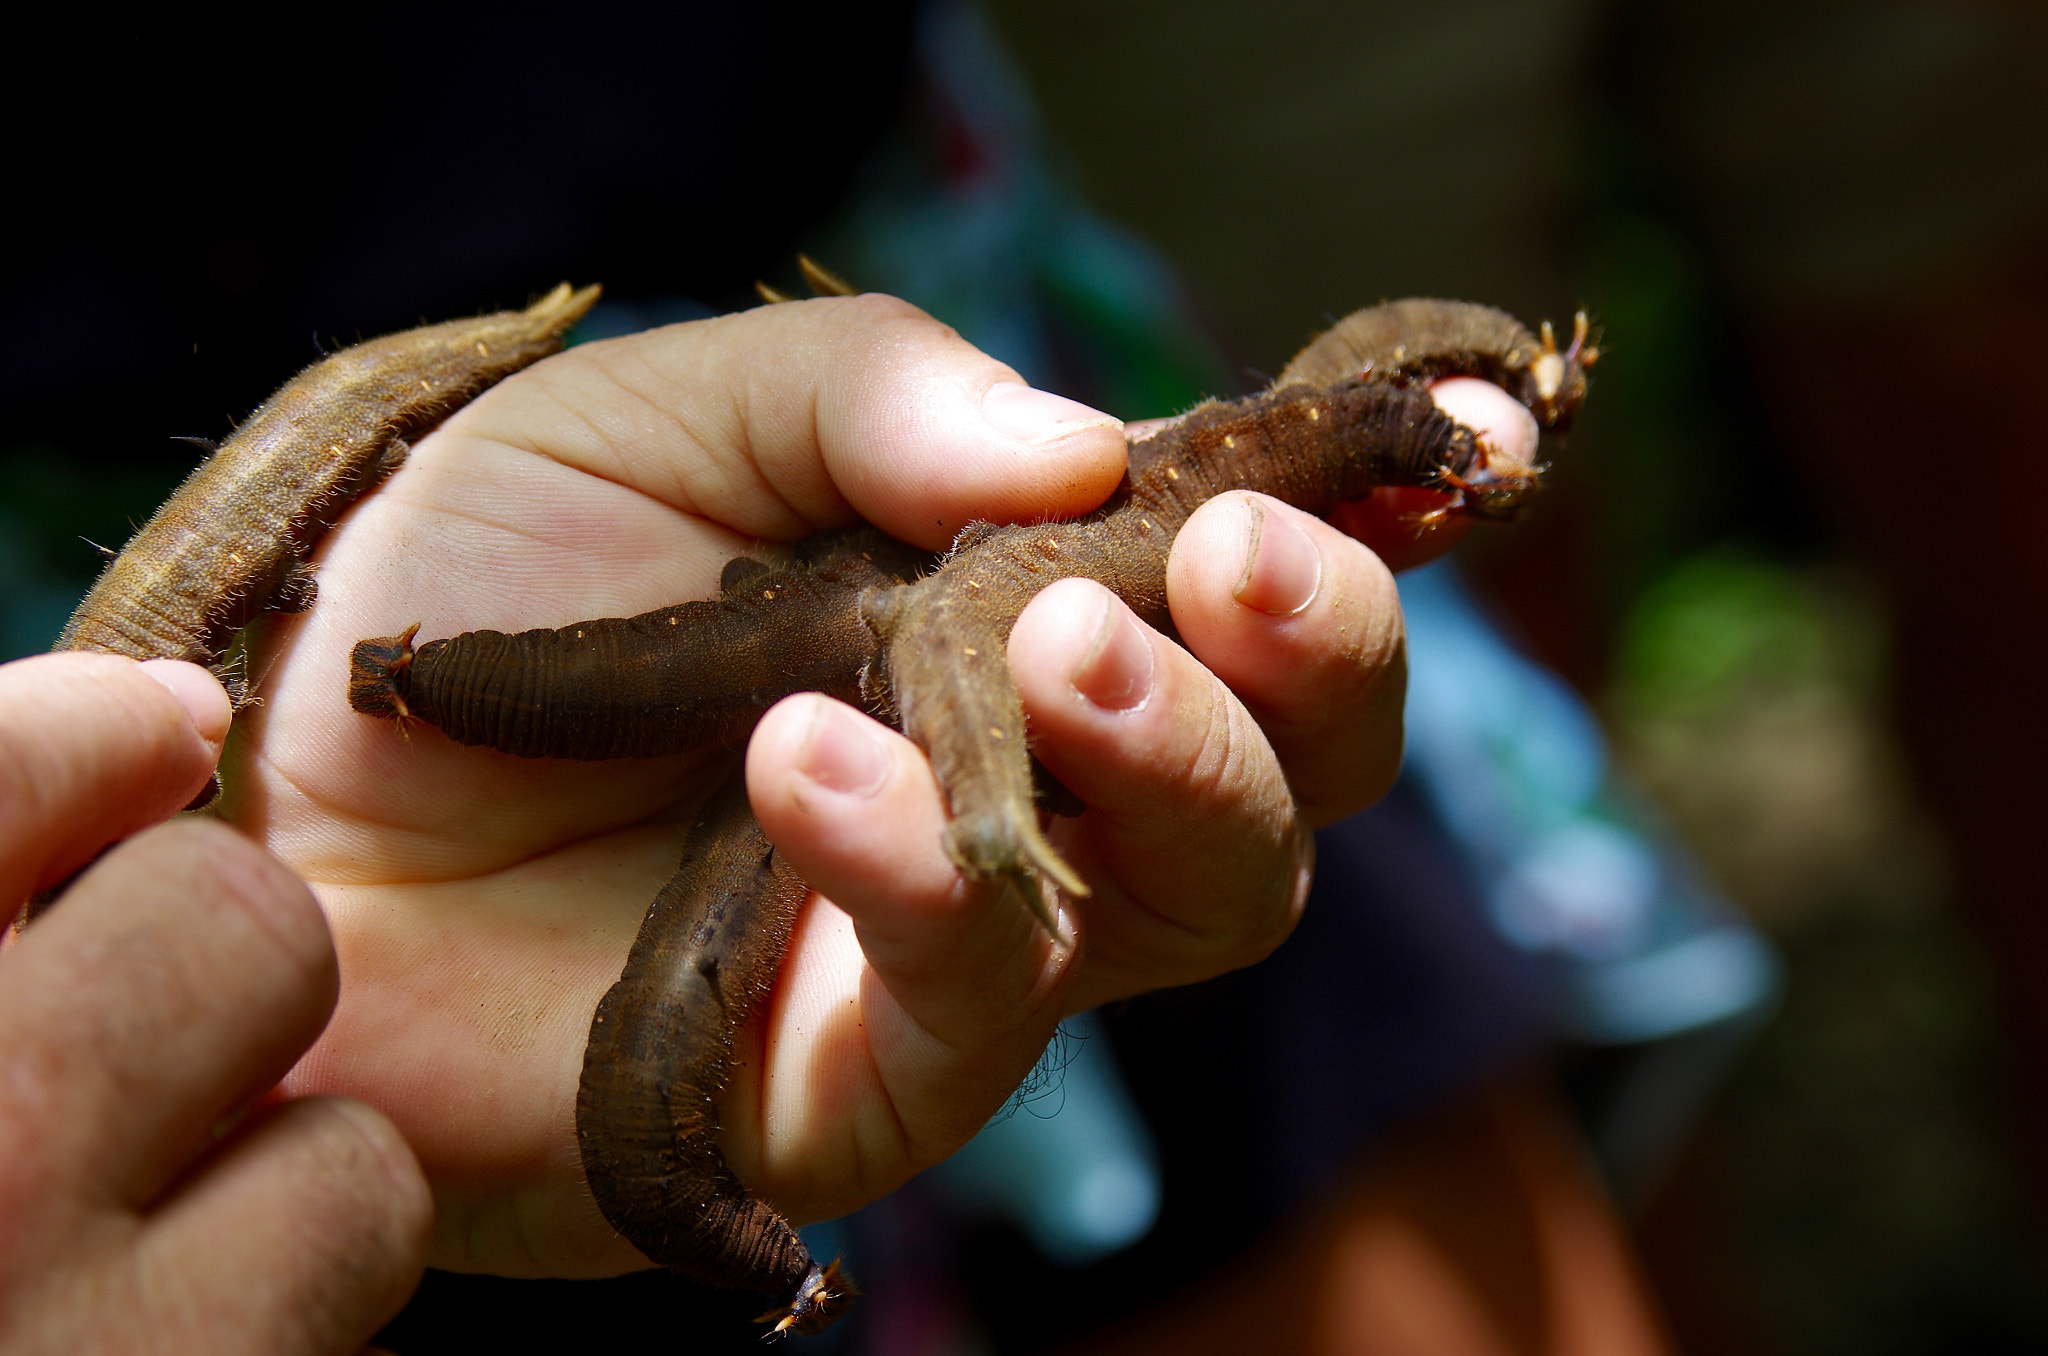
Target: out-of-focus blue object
point(1074, 1169)
point(1517, 770)
point(1640, 952)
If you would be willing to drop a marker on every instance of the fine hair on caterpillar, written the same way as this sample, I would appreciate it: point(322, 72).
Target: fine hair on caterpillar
point(232, 542)
point(923, 640)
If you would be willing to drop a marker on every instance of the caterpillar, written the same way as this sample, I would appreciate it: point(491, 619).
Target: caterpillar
point(232, 540)
point(862, 618)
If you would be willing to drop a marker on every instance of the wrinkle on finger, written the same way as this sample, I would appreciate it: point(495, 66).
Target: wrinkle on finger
point(178, 979)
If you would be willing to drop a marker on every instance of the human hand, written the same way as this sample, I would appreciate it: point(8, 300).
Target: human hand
point(481, 903)
point(152, 1198)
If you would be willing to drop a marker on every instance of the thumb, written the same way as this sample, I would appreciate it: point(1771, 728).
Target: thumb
point(786, 419)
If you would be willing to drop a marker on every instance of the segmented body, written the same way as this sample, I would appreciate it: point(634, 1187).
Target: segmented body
point(1349, 414)
point(232, 541)
point(646, 1120)
point(694, 676)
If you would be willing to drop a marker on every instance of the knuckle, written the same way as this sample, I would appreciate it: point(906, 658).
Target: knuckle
point(197, 868)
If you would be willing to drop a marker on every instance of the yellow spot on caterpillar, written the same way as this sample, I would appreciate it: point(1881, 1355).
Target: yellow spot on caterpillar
point(674, 620)
point(994, 732)
point(481, 351)
point(974, 583)
point(1314, 413)
point(579, 633)
point(969, 651)
point(1229, 441)
point(1172, 474)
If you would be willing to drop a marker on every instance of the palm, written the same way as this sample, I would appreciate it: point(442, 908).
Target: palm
point(480, 902)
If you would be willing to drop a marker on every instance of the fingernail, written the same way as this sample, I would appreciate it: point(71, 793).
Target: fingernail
point(1282, 568)
point(198, 691)
point(1033, 416)
point(1116, 673)
point(842, 752)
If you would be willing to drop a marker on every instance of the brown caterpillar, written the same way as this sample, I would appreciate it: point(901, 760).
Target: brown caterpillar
point(675, 680)
point(647, 1121)
point(1348, 414)
point(231, 542)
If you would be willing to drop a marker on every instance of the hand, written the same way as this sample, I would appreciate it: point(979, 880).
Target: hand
point(152, 1200)
point(481, 903)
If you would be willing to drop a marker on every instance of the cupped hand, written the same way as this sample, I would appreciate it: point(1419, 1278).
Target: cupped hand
point(152, 1197)
point(481, 903)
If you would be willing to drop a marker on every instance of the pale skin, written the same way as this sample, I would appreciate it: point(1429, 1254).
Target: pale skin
point(480, 903)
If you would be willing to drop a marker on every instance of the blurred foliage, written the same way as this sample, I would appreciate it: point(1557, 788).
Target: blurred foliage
point(1866, 1199)
point(1727, 624)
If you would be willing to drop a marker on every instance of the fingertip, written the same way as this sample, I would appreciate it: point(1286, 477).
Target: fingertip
point(199, 692)
point(398, 1182)
point(90, 752)
point(1324, 679)
point(926, 433)
point(1283, 570)
point(1502, 422)
point(1092, 636)
point(841, 752)
point(1264, 579)
point(850, 803)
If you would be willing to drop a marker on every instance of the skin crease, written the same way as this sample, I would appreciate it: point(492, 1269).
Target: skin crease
point(480, 902)
point(182, 975)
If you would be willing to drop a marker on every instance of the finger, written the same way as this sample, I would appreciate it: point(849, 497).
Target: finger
point(971, 985)
point(92, 748)
point(1397, 522)
point(785, 419)
point(1304, 624)
point(1190, 822)
point(306, 1232)
point(181, 977)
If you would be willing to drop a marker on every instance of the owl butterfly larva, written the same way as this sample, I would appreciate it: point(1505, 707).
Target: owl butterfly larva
point(860, 616)
point(231, 542)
